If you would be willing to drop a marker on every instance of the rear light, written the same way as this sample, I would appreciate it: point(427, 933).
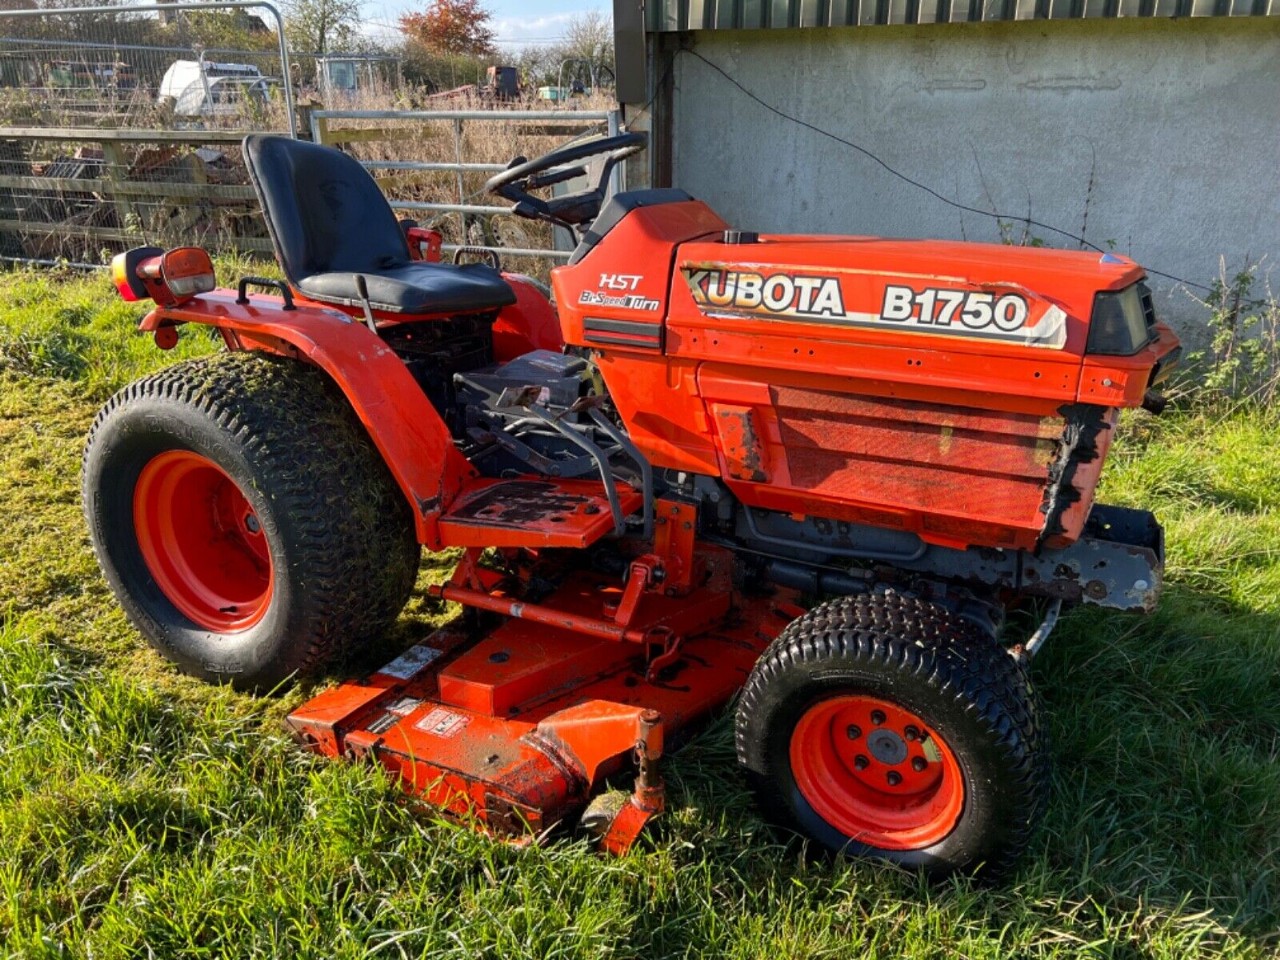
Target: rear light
point(167, 277)
point(187, 271)
point(1123, 322)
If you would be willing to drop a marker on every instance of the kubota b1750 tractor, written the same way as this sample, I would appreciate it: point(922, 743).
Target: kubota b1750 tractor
point(811, 471)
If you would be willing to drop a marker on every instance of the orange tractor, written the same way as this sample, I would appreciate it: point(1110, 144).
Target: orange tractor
point(813, 472)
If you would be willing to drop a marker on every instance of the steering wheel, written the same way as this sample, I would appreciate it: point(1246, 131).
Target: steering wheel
point(574, 209)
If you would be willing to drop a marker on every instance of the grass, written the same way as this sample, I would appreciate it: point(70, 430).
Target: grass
point(143, 813)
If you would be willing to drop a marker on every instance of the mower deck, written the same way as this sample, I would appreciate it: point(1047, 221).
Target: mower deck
point(516, 728)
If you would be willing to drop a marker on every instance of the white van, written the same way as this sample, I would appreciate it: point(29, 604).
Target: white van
point(202, 88)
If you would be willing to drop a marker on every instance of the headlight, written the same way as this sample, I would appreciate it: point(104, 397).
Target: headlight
point(1123, 322)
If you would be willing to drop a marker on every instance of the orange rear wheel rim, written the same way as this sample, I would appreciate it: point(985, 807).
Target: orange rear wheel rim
point(876, 772)
point(202, 542)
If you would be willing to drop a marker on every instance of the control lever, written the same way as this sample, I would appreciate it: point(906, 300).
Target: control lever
point(363, 289)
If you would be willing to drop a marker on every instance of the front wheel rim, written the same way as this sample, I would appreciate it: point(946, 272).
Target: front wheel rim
point(202, 541)
point(877, 773)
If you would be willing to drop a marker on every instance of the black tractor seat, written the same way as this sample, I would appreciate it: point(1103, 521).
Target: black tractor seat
point(415, 287)
point(330, 223)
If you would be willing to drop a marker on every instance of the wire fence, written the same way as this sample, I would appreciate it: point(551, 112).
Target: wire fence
point(82, 195)
point(57, 83)
point(60, 83)
point(199, 66)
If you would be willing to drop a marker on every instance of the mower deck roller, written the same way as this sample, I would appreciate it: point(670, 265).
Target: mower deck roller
point(811, 472)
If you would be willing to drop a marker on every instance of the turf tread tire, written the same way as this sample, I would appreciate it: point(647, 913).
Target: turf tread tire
point(955, 666)
point(289, 438)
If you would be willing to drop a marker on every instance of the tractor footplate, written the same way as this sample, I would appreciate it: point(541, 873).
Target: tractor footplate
point(516, 730)
point(534, 512)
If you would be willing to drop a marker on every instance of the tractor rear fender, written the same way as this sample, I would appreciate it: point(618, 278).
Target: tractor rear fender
point(528, 324)
point(404, 426)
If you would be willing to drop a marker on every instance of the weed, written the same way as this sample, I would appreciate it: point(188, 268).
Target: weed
point(1243, 357)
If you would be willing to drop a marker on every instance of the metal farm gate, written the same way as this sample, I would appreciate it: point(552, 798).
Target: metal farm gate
point(473, 145)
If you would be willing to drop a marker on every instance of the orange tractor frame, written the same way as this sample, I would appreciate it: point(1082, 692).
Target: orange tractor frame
point(813, 471)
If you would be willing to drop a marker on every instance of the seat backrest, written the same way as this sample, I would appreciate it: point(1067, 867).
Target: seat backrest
point(323, 210)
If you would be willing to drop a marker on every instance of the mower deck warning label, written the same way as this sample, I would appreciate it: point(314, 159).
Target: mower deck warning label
point(442, 723)
point(410, 662)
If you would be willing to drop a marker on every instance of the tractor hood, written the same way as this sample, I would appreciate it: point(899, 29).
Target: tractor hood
point(1056, 326)
point(1016, 296)
point(965, 393)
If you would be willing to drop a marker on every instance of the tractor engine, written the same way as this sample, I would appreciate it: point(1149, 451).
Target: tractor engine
point(542, 411)
point(434, 351)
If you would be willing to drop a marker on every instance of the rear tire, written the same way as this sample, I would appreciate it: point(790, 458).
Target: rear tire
point(883, 726)
point(244, 520)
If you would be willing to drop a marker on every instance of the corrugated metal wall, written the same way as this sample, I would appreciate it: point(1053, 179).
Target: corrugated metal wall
point(677, 15)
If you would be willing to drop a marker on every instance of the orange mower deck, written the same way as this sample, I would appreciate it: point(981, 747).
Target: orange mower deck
point(517, 729)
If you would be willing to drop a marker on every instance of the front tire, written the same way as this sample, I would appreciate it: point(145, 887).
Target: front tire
point(883, 726)
point(244, 520)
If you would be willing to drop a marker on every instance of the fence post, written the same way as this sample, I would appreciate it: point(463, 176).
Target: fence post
point(615, 178)
point(462, 186)
point(118, 172)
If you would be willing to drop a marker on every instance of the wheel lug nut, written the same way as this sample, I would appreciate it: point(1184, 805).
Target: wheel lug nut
point(853, 731)
point(911, 733)
point(877, 717)
point(918, 764)
point(894, 778)
point(860, 762)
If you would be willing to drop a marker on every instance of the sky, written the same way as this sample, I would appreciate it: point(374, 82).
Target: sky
point(516, 22)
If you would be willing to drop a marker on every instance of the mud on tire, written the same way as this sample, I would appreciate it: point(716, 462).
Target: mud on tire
point(326, 556)
point(848, 671)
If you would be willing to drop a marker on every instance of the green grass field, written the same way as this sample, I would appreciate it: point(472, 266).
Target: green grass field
point(144, 814)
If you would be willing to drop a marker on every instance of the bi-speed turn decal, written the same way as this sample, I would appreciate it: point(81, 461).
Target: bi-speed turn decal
point(996, 313)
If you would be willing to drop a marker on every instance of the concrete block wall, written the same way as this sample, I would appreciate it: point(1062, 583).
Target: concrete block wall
point(1158, 138)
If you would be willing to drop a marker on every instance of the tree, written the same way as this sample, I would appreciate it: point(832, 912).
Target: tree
point(323, 26)
point(586, 49)
point(452, 26)
point(589, 36)
point(221, 30)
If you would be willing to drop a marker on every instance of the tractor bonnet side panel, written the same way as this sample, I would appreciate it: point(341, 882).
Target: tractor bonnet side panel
point(616, 296)
point(953, 475)
point(615, 301)
point(916, 386)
